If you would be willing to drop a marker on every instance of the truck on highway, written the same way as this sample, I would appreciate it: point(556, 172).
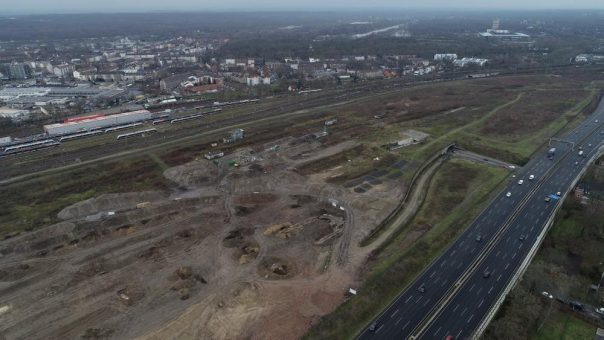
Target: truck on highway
point(551, 153)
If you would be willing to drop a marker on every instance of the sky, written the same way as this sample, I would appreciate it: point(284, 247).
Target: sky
point(80, 6)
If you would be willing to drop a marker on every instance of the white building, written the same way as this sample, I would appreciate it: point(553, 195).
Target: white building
point(253, 81)
point(463, 62)
point(63, 70)
point(445, 56)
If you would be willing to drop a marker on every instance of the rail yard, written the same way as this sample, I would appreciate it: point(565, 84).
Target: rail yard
point(256, 219)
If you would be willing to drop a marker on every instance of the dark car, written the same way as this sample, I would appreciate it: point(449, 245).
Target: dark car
point(522, 237)
point(478, 238)
point(486, 274)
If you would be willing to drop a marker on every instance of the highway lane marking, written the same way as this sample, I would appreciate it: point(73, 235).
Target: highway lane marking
point(409, 298)
point(519, 246)
point(470, 319)
point(458, 334)
point(438, 330)
point(426, 302)
point(504, 256)
point(506, 266)
point(437, 279)
point(407, 324)
point(479, 290)
point(513, 256)
point(480, 304)
point(434, 272)
point(491, 289)
point(498, 252)
point(498, 277)
point(393, 314)
point(462, 241)
point(399, 320)
point(537, 220)
point(456, 306)
point(443, 284)
point(542, 212)
point(472, 287)
point(381, 326)
point(453, 252)
point(419, 298)
point(459, 265)
point(443, 263)
point(507, 239)
point(463, 311)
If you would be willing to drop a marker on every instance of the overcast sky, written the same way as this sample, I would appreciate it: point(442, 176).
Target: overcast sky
point(62, 6)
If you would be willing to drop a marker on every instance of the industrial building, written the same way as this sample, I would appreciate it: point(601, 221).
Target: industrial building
point(95, 122)
point(495, 33)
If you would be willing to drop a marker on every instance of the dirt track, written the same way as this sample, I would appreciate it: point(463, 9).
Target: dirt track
point(257, 249)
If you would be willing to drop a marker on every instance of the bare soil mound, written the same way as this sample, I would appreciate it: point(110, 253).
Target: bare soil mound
point(194, 174)
point(108, 202)
point(276, 268)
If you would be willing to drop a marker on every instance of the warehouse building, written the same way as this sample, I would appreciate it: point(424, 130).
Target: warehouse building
point(95, 122)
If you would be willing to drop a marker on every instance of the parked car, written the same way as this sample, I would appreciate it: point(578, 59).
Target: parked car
point(532, 177)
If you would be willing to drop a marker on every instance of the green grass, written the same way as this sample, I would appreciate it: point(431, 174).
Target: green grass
point(35, 203)
point(562, 326)
point(388, 273)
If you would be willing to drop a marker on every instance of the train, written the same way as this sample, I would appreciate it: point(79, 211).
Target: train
point(136, 133)
point(27, 147)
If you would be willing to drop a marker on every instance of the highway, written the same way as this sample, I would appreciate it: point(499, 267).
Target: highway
point(456, 296)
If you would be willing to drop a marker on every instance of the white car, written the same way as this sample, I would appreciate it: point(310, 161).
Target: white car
point(531, 177)
point(600, 310)
point(509, 194)
point(547, 295)
point(520, 182)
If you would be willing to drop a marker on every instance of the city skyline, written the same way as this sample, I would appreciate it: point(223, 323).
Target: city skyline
point(112, 6)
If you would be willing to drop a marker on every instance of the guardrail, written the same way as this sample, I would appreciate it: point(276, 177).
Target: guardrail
point(491, 314)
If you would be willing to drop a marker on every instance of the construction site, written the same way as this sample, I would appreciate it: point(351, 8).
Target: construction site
point(242, 234)
point(242, 242)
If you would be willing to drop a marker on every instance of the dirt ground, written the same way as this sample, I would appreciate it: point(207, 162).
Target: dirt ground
point(245, 248)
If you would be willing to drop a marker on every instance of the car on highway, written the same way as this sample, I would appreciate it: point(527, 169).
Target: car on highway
point(486, 274)
point(421, 289)
point(558, 193)
point(522, 237)
point(547, 295)
point(373, 326)
point(478, 238)
point(449, 337)
point(576, 163)
point(600, 310)
point(531, 177)
point(547, 198)
point(520, 182)
point(509, 194)
point(596, 120)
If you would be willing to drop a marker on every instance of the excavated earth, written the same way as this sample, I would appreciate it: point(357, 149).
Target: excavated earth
point(237, 252)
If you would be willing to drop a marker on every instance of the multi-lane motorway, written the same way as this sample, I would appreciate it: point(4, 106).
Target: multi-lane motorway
point(453, 295)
